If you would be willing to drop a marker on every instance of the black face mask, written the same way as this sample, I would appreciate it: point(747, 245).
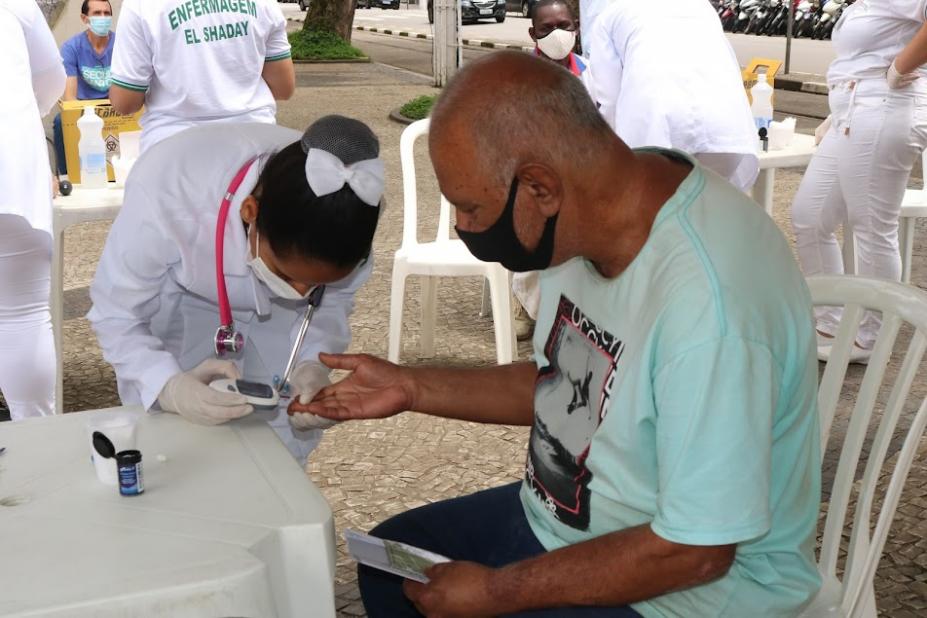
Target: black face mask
point(499, 243)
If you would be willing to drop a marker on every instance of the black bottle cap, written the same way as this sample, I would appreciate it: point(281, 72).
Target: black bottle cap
point(128, 458)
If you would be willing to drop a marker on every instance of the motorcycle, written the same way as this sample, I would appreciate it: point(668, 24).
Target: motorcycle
point(762, 16)
point(830, 13)
point(779, 23)
point(745, 12)
point(728, 14)
point(806, 15)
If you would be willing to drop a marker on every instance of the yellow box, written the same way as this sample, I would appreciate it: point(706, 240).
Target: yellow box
point(757, 66)
point(113, 124)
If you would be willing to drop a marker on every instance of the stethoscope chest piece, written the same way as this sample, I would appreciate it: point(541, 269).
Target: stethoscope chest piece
point(228, 341)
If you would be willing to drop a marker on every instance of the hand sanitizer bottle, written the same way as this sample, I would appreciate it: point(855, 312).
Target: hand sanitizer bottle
point(762, 107)
point(92, 150)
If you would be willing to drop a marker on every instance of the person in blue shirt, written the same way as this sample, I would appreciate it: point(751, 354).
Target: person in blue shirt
point(87, 58)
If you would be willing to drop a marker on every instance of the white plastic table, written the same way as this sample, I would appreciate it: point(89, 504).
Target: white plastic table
point(81, 206)
point(229, 525)
point(798, 154)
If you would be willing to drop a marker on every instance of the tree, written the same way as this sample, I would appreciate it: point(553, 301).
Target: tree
point(332, 16)
point(52, 10)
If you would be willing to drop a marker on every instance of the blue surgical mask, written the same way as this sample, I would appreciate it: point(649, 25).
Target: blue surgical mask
point(100, 26)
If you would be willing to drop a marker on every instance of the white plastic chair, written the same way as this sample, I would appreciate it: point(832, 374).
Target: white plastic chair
point(853, 596)
point(913, 206)
point(79, 207)
point(444, 257)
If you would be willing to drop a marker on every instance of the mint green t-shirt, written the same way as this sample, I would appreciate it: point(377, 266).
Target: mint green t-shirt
point(682, 395)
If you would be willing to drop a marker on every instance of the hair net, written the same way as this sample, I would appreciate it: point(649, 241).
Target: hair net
point(343, 151)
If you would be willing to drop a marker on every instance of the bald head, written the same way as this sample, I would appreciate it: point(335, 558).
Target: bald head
point(509, 108)
point(536, 176)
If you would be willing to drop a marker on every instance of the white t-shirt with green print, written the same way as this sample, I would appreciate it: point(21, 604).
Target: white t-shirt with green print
point(199, 61)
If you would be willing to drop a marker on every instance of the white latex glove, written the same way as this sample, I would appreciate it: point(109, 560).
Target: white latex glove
point(188, 394)
point(307, 380)
point(822, 130)
point(898, 80)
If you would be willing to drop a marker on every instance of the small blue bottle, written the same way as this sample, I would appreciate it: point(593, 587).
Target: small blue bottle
point(129, 466)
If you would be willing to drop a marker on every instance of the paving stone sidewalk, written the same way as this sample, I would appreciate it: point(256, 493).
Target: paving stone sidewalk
point(371, 470)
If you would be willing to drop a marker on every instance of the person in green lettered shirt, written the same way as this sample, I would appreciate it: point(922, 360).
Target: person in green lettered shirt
point(673, 466)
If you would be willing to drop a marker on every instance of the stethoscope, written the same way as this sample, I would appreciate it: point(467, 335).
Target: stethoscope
point(228, 340)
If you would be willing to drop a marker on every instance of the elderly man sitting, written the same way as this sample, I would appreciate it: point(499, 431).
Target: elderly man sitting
point(673, 465)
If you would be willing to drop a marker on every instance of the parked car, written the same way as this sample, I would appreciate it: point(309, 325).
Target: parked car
point(378, 4)
point(521, 6)
point(303, 5)
point(472, 11)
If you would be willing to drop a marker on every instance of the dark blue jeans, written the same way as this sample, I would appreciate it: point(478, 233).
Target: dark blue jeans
point(488, 527)
point(60, 163)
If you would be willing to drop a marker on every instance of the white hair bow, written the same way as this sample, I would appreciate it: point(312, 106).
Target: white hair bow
point(326, 174)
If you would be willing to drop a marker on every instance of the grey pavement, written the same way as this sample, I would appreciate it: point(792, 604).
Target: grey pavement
point(369, 471)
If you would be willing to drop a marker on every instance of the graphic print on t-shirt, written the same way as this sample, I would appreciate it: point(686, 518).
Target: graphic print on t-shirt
point(570, 400)
point(99, 78)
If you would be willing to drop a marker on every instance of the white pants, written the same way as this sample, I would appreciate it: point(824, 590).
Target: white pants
point(739, 170)
point(859, 175)
point(27, 346)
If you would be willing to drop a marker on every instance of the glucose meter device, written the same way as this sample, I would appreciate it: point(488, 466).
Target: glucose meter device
point(257, 394)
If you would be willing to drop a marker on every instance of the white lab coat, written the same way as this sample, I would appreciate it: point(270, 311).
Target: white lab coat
point(34, 79)
point(589, 11)
point(155, 307)
point(665, 75)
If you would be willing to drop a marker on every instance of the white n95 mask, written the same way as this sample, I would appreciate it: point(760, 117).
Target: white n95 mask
point(277, 286)
point(558, 44)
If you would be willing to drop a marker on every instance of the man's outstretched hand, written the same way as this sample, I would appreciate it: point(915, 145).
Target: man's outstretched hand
point(375, 389)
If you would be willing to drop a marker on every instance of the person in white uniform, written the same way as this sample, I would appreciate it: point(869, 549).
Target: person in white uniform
point(304, 214)
point(877, 128)
point(196, 62)
point(589, 11)
point(664, 74)
point(35, 79)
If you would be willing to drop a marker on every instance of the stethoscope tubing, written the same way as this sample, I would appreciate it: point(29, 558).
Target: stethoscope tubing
point(225, 308)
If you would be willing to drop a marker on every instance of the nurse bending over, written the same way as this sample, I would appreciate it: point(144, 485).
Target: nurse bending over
point(301, 213)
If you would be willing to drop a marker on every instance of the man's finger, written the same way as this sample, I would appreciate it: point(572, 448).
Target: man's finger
point(332, 411)
point(413, 589)
point(299, 406)
point(436, 569)
point(348, 362)
point(326, 392)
